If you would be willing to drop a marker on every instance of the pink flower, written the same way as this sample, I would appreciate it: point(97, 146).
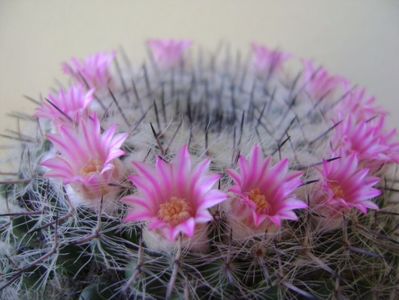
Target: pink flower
point(86, 157)
point(319, 82)
point(267, 61)
point(264, 193)
point(358, 105)
point(168, 53)
point(344, 185)
point(67, 105)
point(368, 140)
point(173, 197)
point(93, 71)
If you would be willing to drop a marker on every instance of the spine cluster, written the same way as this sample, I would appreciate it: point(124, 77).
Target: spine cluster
point(215, 177)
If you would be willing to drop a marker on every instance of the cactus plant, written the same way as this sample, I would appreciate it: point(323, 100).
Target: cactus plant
point(201, 175)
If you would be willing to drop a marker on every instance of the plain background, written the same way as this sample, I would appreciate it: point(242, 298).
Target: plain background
point(355, 38)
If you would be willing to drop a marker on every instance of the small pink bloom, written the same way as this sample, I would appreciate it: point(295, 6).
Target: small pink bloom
point(368, 140)
point(86, 157)
point(358, 105)
point(264, 194)
point(344, 185)
point(267, 61)
point(67, 105)
point(93, 71)
point(173, 197)
point(319, 82)
point(168, 53)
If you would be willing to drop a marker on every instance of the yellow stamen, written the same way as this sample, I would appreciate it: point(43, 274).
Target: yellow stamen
point(259, 199)
point(337, 190)
point(92, 167)
point(174, 211)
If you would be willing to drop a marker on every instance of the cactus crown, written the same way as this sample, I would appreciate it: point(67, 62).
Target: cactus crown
point(232, 178)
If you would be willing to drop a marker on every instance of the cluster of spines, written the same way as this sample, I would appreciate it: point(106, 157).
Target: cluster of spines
point(285, 118)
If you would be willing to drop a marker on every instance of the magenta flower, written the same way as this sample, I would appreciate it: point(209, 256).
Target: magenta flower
point(67, 105)
point(93, 71)
point(344, 185)
point(358, 105)
point(86, 157)
point(264, 194)
point(267, 61)
point(168, 53)
point(368, 140)
point(173, 197)
point(319, 82)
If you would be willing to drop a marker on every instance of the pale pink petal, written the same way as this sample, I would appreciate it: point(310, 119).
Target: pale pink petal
point(203, 216)
point(93, 71)
point(214, 197)
point(276, 220)
point(295, 204)
point(235, 176)
point(168, 53)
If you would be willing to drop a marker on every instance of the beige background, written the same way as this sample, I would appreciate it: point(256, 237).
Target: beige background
point(357, 38)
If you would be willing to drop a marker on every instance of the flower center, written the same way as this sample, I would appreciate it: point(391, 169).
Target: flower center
point(94, 166)
point(337, 190)
point(174, 211)
point(259, 199)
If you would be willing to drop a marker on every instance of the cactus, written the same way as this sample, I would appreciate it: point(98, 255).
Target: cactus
point(232, 177)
